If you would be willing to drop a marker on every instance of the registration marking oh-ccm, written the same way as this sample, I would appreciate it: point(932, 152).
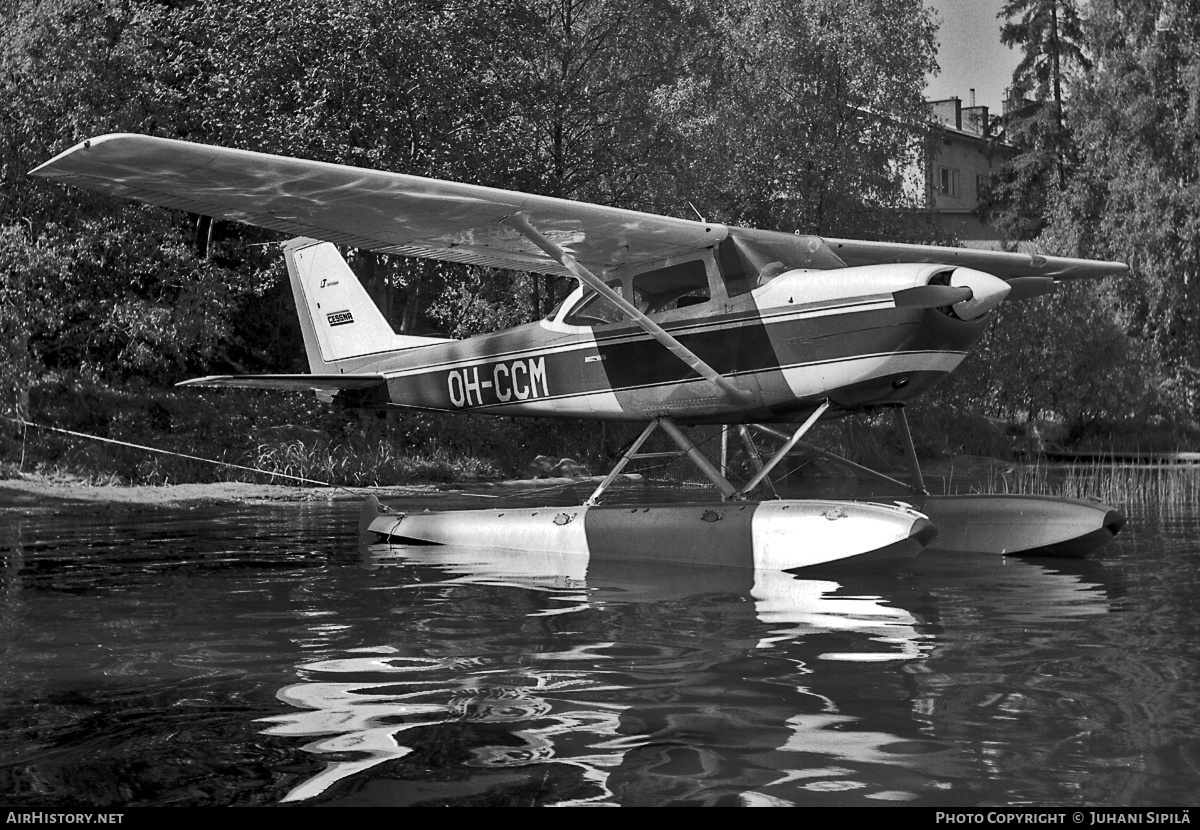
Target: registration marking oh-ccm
point(515, 380)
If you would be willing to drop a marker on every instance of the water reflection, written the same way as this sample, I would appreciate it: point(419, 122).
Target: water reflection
point(643, 684)
point(247, 656)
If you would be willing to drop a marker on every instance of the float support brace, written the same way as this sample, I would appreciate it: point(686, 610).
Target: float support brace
point(755, 458)
point(910, 452)
point(628, 456)
point(784, 450)
point(835, 458)
point(728, 491)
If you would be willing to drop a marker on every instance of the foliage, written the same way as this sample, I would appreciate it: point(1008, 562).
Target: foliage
point(27, 270)
point(1017, 196)
point(1050, 36)
point(1060, 357)
point(1112, 176)
point(1136, 193)
point(288, 434)
point(126, 296)
point(796, 115)
point(801, 115)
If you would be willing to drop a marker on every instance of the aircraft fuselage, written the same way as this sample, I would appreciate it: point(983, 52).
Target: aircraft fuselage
point(785, 347)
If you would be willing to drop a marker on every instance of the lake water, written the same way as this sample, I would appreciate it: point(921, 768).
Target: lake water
point(258, 656)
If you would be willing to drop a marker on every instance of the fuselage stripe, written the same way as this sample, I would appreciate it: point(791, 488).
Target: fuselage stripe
point(751, 319)
point(748, 373)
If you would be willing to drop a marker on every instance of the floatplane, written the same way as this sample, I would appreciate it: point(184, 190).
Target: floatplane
point(674, 323)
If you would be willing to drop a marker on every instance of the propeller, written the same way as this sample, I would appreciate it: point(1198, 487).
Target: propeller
point(970, 293)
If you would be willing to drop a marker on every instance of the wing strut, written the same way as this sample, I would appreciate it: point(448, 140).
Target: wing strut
point(520, 223)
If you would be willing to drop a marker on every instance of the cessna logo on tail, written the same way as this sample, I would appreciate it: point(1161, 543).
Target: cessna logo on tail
point(339, 318)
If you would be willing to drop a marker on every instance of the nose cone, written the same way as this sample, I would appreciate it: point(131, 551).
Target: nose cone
point(987, 292)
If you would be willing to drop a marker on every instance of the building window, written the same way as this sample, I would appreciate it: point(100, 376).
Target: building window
point(947, 181)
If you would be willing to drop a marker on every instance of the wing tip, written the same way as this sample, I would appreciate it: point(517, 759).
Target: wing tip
point(47, 169)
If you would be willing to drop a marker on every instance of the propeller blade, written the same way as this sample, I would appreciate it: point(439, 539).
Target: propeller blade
point(931, 296)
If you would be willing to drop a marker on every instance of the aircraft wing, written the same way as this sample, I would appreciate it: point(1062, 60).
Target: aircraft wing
point(434, 219)
point(379, 211)
point(1001, 264)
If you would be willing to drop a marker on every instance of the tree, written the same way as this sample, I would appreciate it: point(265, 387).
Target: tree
point(1063, 357)
point(1135, 195)
point(765, 112)
point(1050, 35)
point(27, 271)
point(803, 115)
point(126, 296)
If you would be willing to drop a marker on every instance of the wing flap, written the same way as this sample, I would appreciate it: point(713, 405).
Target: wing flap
point(379, 211)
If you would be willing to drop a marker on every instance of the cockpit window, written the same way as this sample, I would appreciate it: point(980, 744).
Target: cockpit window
point(676, 286)
point(593, 310)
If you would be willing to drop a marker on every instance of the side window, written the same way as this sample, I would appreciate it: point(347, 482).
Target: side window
point(676, 286)
point(593, 310)
point(735, 269)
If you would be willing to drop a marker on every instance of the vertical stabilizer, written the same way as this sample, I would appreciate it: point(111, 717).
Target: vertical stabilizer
point(339, 319)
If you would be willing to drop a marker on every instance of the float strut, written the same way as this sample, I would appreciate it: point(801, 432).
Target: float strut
point(628, 456)
point(910, 452)
point(834, 457)
point(755, 458)
point(728, 491)
point(784, 450)
point(685, 445)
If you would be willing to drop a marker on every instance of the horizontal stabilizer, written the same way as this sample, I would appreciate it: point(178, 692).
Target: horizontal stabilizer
point(314, 383)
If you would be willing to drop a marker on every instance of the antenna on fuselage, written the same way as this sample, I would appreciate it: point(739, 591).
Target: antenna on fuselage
point(699, 215)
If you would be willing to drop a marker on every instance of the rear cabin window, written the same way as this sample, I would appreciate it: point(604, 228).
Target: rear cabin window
point(676, 286)
point(593, 310)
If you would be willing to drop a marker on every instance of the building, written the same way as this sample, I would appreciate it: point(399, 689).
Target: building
point(964, 155)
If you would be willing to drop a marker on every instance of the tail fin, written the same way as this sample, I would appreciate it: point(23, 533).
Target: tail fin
point(339, 319)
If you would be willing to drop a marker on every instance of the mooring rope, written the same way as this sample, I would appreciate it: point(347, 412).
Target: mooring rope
point(354, 490)
point(26, 424)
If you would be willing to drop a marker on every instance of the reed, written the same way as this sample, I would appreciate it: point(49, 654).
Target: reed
point(1142, 488)
point(365, 464)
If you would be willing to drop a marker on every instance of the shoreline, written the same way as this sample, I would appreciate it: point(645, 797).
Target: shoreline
point(31, 492)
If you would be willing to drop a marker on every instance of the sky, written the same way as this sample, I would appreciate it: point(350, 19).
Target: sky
point(970, 53)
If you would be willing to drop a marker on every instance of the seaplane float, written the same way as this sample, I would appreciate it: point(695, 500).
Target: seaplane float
point(674, 323)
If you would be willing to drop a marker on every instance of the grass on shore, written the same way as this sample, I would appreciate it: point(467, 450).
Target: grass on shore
point(277, 434)
point(296, 435)
point(1149, 489)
